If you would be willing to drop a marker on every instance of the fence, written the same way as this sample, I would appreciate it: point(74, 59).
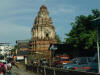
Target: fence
point(55, 71)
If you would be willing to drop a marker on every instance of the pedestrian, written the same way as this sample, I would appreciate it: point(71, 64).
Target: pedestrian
point(9, 67)
point(2, 68)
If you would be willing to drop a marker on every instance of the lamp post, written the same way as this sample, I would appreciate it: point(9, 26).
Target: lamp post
point(97, 22)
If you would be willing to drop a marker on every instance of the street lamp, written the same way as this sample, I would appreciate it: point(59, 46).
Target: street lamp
point(97, 22)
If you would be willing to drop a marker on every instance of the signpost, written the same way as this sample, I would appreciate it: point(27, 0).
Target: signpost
point(96, 23)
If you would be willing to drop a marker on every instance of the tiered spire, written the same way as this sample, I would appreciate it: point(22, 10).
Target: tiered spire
point(43, 13)
point(43, 17)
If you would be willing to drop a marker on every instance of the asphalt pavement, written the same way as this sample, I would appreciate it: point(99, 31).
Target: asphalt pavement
point(20, 70)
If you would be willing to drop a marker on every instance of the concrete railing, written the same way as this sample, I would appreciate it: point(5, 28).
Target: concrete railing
point(55, 71)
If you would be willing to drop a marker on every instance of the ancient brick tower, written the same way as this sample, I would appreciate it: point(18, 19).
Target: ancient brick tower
point(43, 33)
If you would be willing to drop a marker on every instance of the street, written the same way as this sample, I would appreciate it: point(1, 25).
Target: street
point(19, 71)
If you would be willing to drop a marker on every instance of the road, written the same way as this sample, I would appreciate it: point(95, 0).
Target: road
point(20, 71)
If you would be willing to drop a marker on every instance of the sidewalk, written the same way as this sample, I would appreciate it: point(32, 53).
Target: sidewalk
point(21, 70)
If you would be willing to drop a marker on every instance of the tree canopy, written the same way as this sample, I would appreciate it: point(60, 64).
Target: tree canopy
point(58, 38)
point(83, 34)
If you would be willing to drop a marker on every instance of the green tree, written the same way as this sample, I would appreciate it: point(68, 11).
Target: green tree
point(14, 50)
point(58, 38)
point(83, 34)
point(96, 13)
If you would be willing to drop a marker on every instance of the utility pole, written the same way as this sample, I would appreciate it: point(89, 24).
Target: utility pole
point(98, 49)
point(97, 22)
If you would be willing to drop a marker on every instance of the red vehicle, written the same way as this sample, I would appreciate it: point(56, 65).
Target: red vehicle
point(64, 59)
point(61, 60)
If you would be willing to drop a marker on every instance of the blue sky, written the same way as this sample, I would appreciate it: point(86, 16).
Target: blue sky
point(17, 16)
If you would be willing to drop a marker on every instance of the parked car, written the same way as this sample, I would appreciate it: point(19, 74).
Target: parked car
point(78, 64)
point(61, 60)
point(64, 59)
point(93, 66)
